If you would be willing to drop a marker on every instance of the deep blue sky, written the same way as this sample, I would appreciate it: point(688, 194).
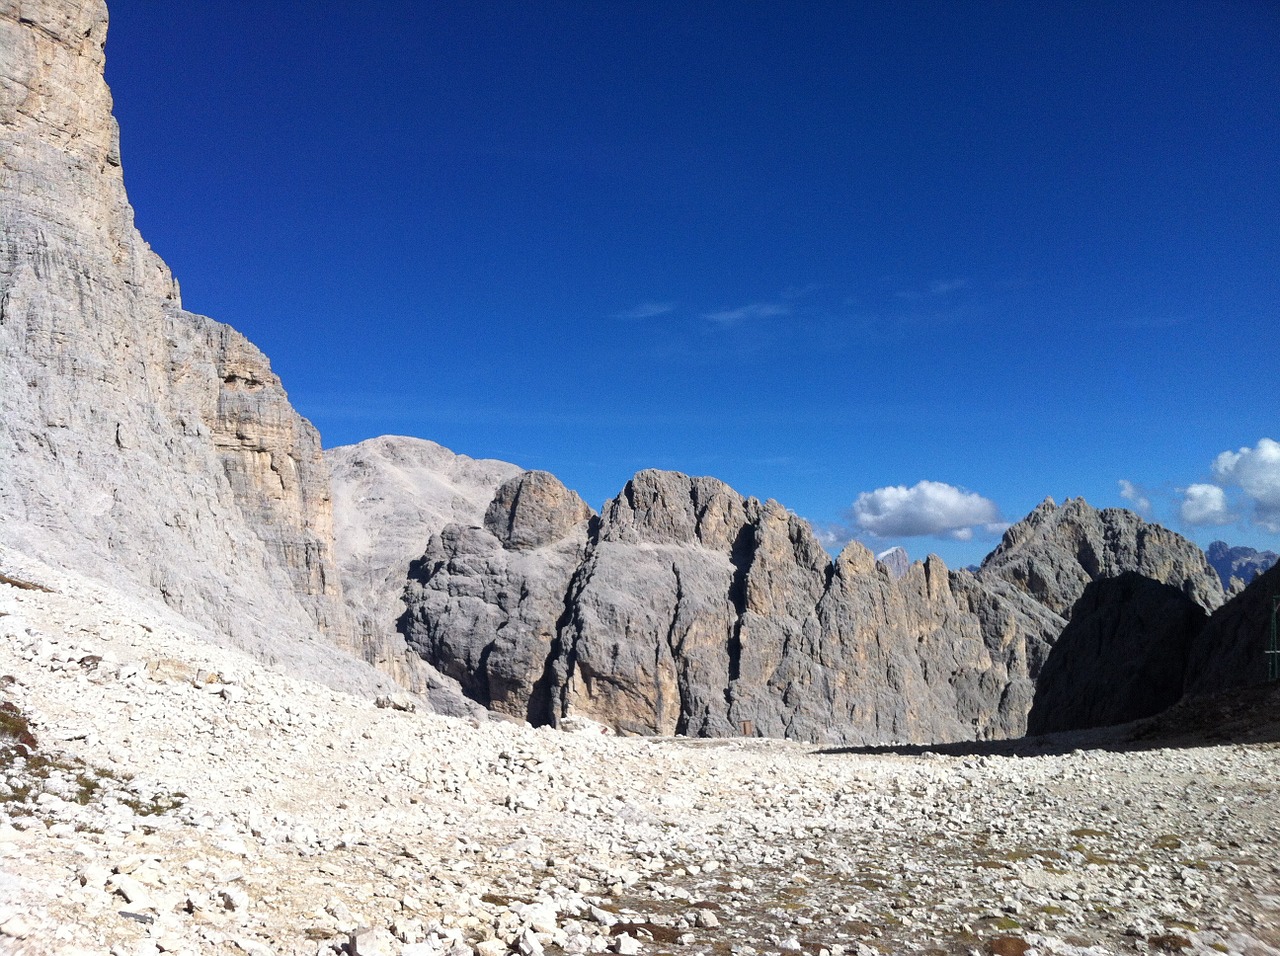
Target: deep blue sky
point(814, 249)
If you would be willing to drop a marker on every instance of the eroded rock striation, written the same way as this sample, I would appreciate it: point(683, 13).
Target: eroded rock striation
point(140, 443)
point(687, 608)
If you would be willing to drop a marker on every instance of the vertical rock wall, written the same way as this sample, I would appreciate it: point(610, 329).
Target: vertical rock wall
point(150, 447)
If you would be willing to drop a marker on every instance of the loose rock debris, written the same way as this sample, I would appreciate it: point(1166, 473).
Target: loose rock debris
point(169, 796)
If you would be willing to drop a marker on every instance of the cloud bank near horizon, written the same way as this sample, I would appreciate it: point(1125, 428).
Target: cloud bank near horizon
point(926, 509)
point(1245, 489)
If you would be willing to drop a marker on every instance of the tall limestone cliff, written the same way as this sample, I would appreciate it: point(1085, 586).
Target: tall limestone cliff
point(147, 446)
point(687, 608)
point(1096, 610)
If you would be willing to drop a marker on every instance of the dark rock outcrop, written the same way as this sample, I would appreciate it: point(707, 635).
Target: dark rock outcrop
point(1121, 657)
point(484, 602)
point(1230, 651)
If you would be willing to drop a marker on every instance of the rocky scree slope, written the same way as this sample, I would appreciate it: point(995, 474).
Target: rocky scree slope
point(145, 445)
point(172, 796)
point(687, 608)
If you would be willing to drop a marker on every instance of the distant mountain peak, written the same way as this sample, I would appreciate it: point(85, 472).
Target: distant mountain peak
point(1239, 562)
point(896, 560)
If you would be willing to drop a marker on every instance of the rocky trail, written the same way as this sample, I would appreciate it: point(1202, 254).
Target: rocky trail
point(164, 795)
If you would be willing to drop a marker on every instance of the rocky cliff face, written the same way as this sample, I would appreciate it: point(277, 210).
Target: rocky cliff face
point(1055, 552)
point(1121, 657)
point(391, 495)
point(484, 602)
point(1061, 562)
point(1230, 651)
point(686, 608)
point(150, 447)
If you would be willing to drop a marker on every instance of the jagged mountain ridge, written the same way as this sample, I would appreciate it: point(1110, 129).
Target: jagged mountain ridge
point(687, 608)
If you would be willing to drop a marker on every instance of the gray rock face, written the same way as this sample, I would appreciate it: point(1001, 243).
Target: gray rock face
point(390, 496)
point(484, 602)
point(646, 643)
point(534, 510)
point(896, 560)
point(1027, 592)
point(1121, 657)
point(1056, 551)
point(149, 447)
point(1230, 651)
point(686, 608)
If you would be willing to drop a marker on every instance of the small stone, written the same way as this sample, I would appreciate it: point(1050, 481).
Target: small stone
point(491, 947)
point(401, 702)
point(16, 927)
point(233, 898)
point(626, 945)
point(133, 892)
point(707, 919)
point(367, 941)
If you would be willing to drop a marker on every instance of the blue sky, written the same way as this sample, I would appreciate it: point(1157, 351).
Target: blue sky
point(826, 251)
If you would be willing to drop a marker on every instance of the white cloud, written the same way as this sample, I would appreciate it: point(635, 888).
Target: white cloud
point(1205, 505)
point(646, 310)
point(927, 508)
point(756, 310)
point(1135, 496)
point(1256, 472)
